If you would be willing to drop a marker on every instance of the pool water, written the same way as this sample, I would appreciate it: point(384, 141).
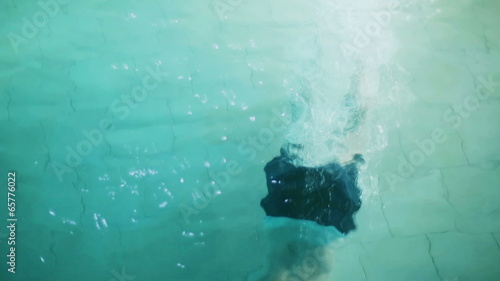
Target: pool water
point(136, 132)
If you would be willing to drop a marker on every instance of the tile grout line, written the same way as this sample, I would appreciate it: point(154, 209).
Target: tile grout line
point(363, 267)
point(496, 241)
point(385, 217)
point(432, 257)
point(447, 199)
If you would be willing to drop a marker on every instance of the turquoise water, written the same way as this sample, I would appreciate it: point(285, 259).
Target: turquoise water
point(137, 131)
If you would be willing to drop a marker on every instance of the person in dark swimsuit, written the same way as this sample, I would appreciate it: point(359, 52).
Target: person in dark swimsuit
point(328, 195)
